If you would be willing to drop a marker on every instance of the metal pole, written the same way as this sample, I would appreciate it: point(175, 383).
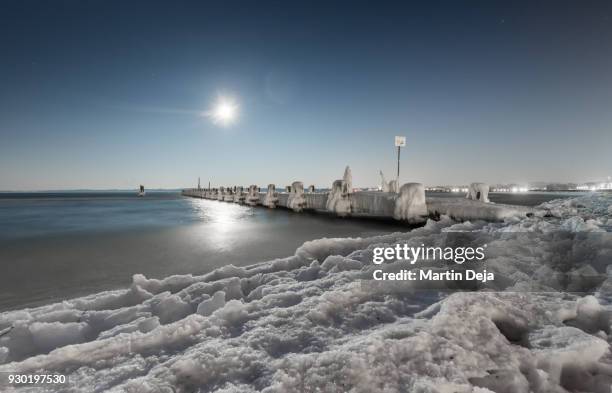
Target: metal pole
point(398, 164)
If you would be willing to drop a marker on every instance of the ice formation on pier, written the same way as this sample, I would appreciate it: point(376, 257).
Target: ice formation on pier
point(228, 195)
point(393, 186)
point(339, 198)
point(307, 322)
point(347, 178)
point(239, 196)
point(384, 186)
point(252, 198)
point(221, 193)
point(271, 198)
point(296, 199)
point(410, 204)
point(478, 192)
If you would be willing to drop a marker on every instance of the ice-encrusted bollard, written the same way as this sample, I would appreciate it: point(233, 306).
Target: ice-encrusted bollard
point(252, 198)
point(229, 195)
point(384, 186)
point(271, 198)
point(348, 179)
point(296, 200)
point(339, 198)
point(410, 204)
point(239, 194)
point(478, 192)
point(393, 186)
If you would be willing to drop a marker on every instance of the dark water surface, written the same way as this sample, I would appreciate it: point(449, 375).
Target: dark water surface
point(58, 246)
point(55, 246)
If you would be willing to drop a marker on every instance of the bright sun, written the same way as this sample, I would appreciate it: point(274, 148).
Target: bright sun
point(224, 112)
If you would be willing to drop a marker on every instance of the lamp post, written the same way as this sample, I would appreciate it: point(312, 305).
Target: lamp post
point(400, 141)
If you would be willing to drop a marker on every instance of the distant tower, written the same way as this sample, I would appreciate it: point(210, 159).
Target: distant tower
point(199, 183)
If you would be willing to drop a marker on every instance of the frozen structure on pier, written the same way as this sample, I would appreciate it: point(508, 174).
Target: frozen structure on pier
point(384, 186)
point(393, 186)
point(387, 187)
point(271, 198)
point(221, 193)
point(478, 192)
point(296, 200)
point(410, 204)
point(339, 198)
point(252, 198)
point(228, 196)
point(239, 196)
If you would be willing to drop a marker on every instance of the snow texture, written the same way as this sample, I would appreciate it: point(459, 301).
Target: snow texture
point(309, 322)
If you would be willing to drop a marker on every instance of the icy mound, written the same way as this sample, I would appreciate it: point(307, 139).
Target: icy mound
point(308, 323)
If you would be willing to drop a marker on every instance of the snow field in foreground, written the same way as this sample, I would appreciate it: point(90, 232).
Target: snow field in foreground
point(307, 324)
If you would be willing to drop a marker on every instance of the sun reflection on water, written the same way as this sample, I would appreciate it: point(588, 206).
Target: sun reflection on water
point(221, 217)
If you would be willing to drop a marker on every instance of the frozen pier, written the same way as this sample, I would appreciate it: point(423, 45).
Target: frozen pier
point(408, 204)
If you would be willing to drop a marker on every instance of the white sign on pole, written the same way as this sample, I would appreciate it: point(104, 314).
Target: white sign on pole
point(400, 141)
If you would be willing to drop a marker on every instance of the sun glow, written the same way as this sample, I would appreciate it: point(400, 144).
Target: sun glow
point(224, 112)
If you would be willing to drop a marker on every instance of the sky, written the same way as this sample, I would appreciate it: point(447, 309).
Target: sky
point(113, 94)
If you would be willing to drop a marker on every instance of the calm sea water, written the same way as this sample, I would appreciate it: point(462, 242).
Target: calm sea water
point(55, 246)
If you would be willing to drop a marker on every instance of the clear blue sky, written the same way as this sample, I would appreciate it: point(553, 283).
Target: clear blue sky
point(108, 94)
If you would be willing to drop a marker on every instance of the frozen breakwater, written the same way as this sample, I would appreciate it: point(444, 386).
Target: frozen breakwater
point(307, 323)
point(407, 204)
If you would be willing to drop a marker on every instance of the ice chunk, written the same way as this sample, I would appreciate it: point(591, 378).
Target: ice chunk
point(170, 308)
point(208, 306)
point(410, 204)
point(233, 313)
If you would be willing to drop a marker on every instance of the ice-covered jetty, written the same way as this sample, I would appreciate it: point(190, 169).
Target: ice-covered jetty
point(406, 203)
